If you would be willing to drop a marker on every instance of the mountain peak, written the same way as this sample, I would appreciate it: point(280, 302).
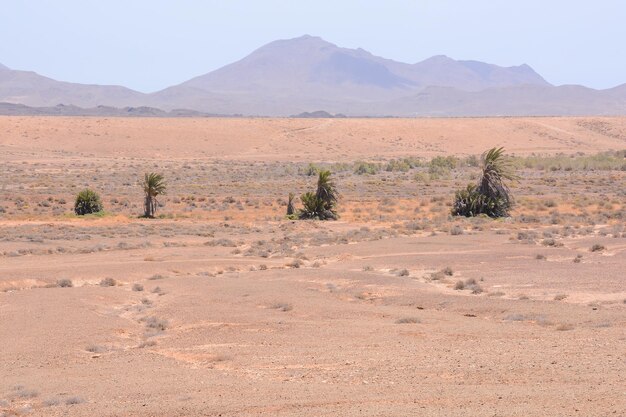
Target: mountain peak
point(438, 59)
point(304, 41)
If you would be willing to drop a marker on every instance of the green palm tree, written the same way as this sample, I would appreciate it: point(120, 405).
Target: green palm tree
point(153, 186)
point(312, 207)
point(491, 196)
point(321, 204)
point(495, 169)
point(326, 190)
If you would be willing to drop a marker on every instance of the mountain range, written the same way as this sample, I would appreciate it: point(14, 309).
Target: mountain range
point(309, 74)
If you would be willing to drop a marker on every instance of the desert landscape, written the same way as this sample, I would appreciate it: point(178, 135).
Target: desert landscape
point(223, 306)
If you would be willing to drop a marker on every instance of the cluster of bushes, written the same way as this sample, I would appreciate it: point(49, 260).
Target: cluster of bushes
point(604, 161)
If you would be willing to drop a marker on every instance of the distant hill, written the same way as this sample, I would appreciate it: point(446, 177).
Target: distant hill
point(32, 89)
point(319, 114)
point(299, 76)
point(11, 109)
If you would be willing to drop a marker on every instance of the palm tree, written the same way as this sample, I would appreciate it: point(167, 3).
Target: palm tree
point(326, 190)
point(321, 204)
point(495, 169)
point(153, 185)
point(312, 207)
point(491, 196)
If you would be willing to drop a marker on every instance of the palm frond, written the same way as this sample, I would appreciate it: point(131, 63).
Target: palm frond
point(326, 190)
point(154, 184)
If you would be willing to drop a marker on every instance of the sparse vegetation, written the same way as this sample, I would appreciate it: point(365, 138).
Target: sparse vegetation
point(74, 400)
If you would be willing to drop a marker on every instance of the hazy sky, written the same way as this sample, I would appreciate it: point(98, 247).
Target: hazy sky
point(151, 44)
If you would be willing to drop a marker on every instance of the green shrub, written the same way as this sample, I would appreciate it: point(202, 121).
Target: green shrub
point(87, 202)
point(311, 170)
point(398, 165)
point(470, 203)
point(361, 168)
point(441, 166)
point(448, 162)
point(312, 207)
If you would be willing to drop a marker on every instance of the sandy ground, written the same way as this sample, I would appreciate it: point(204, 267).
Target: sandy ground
point(223, 307)
point(304, 139)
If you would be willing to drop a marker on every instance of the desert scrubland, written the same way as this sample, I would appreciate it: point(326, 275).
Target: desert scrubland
point(223, 307)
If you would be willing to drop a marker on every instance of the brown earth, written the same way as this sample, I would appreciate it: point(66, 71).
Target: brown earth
point(224, 307)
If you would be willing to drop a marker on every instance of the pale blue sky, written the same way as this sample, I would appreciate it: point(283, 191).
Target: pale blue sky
point(151, 44)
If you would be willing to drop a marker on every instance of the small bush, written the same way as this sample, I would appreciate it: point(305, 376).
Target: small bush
point(65, 283)
point(74, 400)
point(87, 202)
point(408, 320)
point(597, 248)
point(156, 323)
point(96, 349)
point(108, 282)
point(361, 168)
point(398, 165)
point(51, 402)
point(137, 287)
point(475, 288)
point(282, 306)
point(456, 230)
point(311, 170)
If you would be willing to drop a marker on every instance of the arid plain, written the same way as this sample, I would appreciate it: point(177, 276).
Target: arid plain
point(223, 307)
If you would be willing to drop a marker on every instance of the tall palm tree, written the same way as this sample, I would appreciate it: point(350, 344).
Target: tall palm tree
point(321, 204)
point(495, 169)
point(326, 190)
point(490, 196)
point(153, 186)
